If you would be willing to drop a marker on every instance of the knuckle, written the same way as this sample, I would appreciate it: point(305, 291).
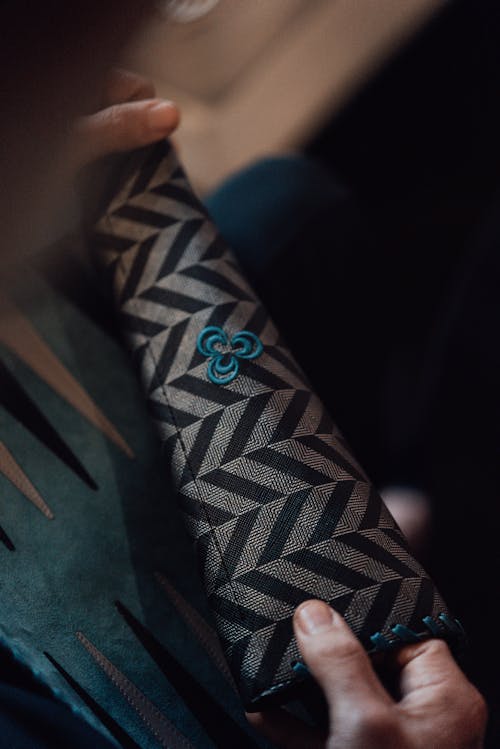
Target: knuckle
point(433, 650)
point(436, 647)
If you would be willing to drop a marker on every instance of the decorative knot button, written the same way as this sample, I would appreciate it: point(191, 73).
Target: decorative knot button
point(224, 354)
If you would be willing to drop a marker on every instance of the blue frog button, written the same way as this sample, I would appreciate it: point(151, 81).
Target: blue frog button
point(224, 355)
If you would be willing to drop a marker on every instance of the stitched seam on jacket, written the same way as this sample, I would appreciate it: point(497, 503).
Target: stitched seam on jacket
point(135, 699)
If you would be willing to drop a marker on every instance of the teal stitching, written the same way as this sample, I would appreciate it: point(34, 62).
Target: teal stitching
point(452, 624)
point(224, 355)
point(442, 627)
point(301, 670)
point(445, 625)
point(405, 634)
point(380, 642)
point(432, 626)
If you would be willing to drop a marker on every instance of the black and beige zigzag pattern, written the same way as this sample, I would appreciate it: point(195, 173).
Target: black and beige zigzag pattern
point(278, 508)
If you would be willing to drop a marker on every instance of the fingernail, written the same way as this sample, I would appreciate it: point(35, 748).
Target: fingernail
point(314, 617)
point(161, 116)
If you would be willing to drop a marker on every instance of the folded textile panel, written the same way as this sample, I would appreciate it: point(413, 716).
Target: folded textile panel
point(278, 508)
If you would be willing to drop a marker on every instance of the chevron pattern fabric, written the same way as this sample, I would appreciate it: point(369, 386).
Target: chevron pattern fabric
point(278, 508)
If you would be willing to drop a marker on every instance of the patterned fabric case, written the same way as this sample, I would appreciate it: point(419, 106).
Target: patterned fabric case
point(278, 508)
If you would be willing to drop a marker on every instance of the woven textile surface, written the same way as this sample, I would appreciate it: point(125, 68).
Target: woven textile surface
point(278, 508)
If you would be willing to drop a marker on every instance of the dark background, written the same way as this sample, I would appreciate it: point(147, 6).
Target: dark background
point(420, 150)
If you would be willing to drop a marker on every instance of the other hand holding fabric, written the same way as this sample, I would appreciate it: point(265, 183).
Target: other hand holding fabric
point(132, 116)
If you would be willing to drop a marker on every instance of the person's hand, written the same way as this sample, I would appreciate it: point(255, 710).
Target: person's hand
point(437, 708)
point(131, 117)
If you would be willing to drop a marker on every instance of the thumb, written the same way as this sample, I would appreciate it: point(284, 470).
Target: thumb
point(123, 127)
point(338, 662)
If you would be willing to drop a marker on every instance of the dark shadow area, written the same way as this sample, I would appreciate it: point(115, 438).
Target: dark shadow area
point(419, 148)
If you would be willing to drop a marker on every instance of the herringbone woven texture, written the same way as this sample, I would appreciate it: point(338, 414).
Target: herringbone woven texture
point(277, 506)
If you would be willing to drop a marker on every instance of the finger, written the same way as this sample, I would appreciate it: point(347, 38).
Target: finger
point(124, 127)
point(432, 685)
point(338, 662)
point(286, 731)
point(426, 665)
point(123, 85)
